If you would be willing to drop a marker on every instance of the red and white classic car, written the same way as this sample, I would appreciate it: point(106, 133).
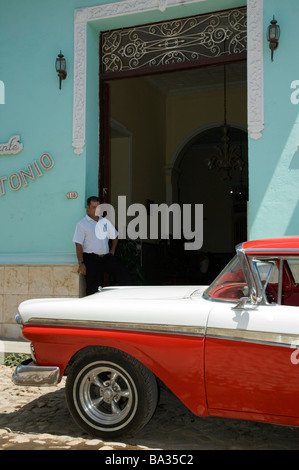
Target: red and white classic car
point(228, 350)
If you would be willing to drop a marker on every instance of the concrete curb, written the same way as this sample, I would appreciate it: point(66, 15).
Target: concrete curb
point(12, 346)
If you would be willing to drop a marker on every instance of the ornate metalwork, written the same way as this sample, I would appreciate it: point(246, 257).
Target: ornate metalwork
point(176, 41)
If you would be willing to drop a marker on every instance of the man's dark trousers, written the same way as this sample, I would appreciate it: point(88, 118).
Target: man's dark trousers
point(97, 266)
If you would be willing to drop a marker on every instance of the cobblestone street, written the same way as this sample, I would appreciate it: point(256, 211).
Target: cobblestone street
point(38, 419)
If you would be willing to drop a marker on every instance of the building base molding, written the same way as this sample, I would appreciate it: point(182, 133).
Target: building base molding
point(20, 283)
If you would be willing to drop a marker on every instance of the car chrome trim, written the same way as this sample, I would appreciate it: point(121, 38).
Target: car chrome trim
point(28, 373)
point(128, 326)
point(251, 336)
point(250, 279)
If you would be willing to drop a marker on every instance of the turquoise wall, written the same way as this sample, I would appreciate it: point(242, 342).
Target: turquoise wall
point(37, 219)
point(274, 159)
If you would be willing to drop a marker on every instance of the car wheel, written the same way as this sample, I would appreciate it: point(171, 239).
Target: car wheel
point(110, 393)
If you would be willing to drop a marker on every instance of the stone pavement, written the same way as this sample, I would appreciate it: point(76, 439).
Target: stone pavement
point(37, 418)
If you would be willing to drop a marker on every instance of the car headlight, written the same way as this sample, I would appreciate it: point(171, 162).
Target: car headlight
point(19, 319)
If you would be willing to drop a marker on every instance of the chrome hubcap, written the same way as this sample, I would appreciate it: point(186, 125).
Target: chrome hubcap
point(107, 396)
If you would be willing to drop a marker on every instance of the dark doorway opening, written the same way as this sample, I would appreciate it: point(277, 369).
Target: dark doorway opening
point(139, 156)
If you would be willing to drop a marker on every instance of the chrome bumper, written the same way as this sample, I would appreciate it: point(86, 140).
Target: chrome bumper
point(30, 374)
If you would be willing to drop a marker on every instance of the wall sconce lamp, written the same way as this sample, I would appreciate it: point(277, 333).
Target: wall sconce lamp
point(273, 33)
point(61, 68)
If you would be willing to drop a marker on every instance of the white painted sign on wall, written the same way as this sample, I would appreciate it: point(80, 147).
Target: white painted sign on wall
point(12, 147)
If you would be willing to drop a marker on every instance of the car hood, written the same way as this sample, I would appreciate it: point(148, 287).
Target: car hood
point(145, 293)
point(157, 304)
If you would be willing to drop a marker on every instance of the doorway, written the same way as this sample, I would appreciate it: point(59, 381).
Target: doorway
point(170, 119)
point(172, 125)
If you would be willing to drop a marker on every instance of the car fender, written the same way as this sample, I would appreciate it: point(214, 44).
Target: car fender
point(175, 359)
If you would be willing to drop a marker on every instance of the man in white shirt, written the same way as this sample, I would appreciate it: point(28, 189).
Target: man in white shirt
point(95, 257)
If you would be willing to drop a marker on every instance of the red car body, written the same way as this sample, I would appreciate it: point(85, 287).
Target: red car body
point(229, 350)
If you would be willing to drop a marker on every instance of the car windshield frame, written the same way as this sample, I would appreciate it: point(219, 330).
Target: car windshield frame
point(230, 285)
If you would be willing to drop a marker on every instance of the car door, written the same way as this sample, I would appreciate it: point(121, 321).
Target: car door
point(251, 359)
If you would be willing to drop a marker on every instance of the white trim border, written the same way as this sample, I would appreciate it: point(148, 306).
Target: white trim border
point(254, 58)
point(53, 258)
point(255, 71)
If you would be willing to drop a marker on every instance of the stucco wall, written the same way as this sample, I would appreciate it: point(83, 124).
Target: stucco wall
point(37, 218)
point(274, 158)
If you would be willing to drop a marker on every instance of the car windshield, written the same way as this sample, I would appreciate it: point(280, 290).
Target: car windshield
point(230, 285)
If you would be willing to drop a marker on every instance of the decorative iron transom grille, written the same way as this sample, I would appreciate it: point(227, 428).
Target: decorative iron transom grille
point(173, 42)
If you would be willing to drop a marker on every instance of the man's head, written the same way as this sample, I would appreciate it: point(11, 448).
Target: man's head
point(91, 204)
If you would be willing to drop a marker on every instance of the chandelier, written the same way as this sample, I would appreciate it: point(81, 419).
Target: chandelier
point(226, 156)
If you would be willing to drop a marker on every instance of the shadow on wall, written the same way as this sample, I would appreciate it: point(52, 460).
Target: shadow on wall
point(294, 164)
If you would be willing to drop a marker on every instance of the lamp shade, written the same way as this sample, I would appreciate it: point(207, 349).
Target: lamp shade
point(60, 64)
point(273, 31)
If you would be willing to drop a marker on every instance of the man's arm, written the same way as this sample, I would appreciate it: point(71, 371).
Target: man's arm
point(114, 243)
point(79, 251)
